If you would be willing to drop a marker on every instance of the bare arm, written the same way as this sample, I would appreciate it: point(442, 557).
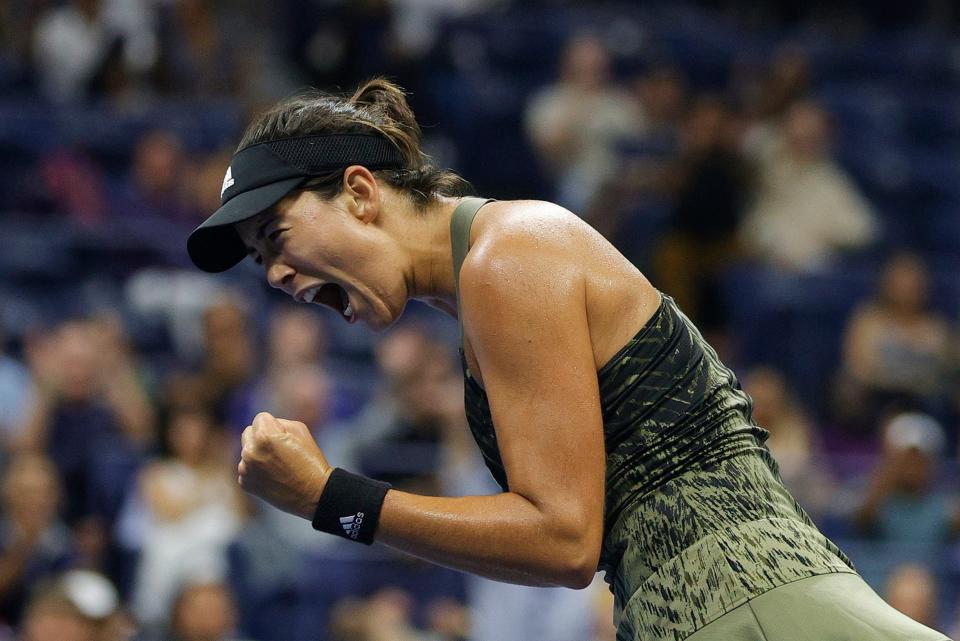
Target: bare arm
point(526, 321)
point(527, 325)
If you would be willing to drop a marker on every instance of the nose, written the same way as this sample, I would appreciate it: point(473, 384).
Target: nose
point(280, 275)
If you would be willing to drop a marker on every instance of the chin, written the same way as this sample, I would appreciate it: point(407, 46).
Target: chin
point(381, 322)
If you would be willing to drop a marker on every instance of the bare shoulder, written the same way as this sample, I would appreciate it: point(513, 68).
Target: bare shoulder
point(528, 232)
point(515, 244)
point(526, 219)
point(543, 266)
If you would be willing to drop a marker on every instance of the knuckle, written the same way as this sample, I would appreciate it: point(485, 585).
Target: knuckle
point(261, 440)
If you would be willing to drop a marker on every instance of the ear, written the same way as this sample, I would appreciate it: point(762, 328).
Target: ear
point(362, 193)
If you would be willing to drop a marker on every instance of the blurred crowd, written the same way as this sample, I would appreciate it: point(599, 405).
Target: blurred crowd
point(126, 377)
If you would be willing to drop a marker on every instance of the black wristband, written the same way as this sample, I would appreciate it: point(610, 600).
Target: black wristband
point(350, 506)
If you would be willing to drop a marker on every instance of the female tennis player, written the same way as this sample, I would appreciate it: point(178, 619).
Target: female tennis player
point(620, 440)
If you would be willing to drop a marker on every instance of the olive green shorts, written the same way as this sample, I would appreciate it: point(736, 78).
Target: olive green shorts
point(827, 607)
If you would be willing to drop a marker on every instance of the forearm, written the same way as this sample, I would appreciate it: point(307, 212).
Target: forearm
point(503, 537)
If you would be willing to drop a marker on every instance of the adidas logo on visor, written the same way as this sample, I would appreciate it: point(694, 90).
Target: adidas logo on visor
point(227, 181)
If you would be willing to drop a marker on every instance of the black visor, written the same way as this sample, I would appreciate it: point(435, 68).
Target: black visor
point(260, 175)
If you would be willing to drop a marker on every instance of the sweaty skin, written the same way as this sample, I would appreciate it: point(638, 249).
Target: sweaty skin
point(536, 276)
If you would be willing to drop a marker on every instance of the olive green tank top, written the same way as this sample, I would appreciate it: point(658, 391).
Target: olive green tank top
point(696, 518)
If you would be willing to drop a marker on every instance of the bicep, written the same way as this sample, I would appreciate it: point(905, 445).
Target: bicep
point(528, 329)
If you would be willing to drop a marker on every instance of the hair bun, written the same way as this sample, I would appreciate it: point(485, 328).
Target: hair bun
point(389, 101)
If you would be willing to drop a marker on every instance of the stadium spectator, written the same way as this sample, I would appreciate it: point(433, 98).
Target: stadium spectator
point(204, 611)
point(296, 336)
point(767, 97)
point(631, 202)
point(200, 52)
point(794, 441)
point(575, 123)
point(912, 589)
point(662, 94)
point(295, 341)
point(903, 505)
point(806, 209)
point(896, 348)
point(90, 413)
point(385, 615)
point(74, 42)
point(222, 381)
point(400, 434)
point(34, 543)
point(70, 43)
point(709, 187)
point(74, 186)
point(77, 606)
point(189, 510)
point(159, 181)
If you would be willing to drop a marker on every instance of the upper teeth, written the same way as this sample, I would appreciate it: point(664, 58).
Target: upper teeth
point(311, 294)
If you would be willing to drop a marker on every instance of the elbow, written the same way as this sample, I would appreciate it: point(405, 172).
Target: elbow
point(578, 560)
point(579, 576)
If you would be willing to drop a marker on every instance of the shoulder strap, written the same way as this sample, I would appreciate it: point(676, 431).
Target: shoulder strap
point(460, 225)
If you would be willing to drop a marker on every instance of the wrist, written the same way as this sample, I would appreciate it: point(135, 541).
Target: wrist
point(314, 493)
point(349, 506)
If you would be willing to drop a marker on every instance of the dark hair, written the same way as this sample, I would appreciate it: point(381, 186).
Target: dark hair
point(378, 105)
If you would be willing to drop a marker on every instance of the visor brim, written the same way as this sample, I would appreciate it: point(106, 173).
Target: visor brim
point(215, 246)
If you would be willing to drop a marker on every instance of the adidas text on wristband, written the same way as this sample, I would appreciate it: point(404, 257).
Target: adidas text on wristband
point(350, 506)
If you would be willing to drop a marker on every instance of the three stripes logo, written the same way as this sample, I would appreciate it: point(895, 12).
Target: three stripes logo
point(351, 525)
point(227, 181)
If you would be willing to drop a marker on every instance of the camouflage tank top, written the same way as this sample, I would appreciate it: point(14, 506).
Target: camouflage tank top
point(696, 518)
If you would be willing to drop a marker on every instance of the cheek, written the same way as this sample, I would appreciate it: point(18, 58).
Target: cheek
point(332, 249)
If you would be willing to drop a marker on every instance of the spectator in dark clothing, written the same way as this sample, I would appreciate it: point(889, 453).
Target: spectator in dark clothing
point(90, 413)
point(710, 188)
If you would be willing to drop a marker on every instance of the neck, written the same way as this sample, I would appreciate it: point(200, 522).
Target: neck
point(430, 276)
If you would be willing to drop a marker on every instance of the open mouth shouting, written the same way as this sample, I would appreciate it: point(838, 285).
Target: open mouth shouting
point(333, 296)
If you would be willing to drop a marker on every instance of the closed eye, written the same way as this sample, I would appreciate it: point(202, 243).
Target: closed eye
point(274, 235)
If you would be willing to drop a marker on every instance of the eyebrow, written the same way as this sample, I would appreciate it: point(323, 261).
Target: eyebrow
point(263, 226)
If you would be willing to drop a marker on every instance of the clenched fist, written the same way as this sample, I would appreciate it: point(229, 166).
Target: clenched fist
point(281, 463)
